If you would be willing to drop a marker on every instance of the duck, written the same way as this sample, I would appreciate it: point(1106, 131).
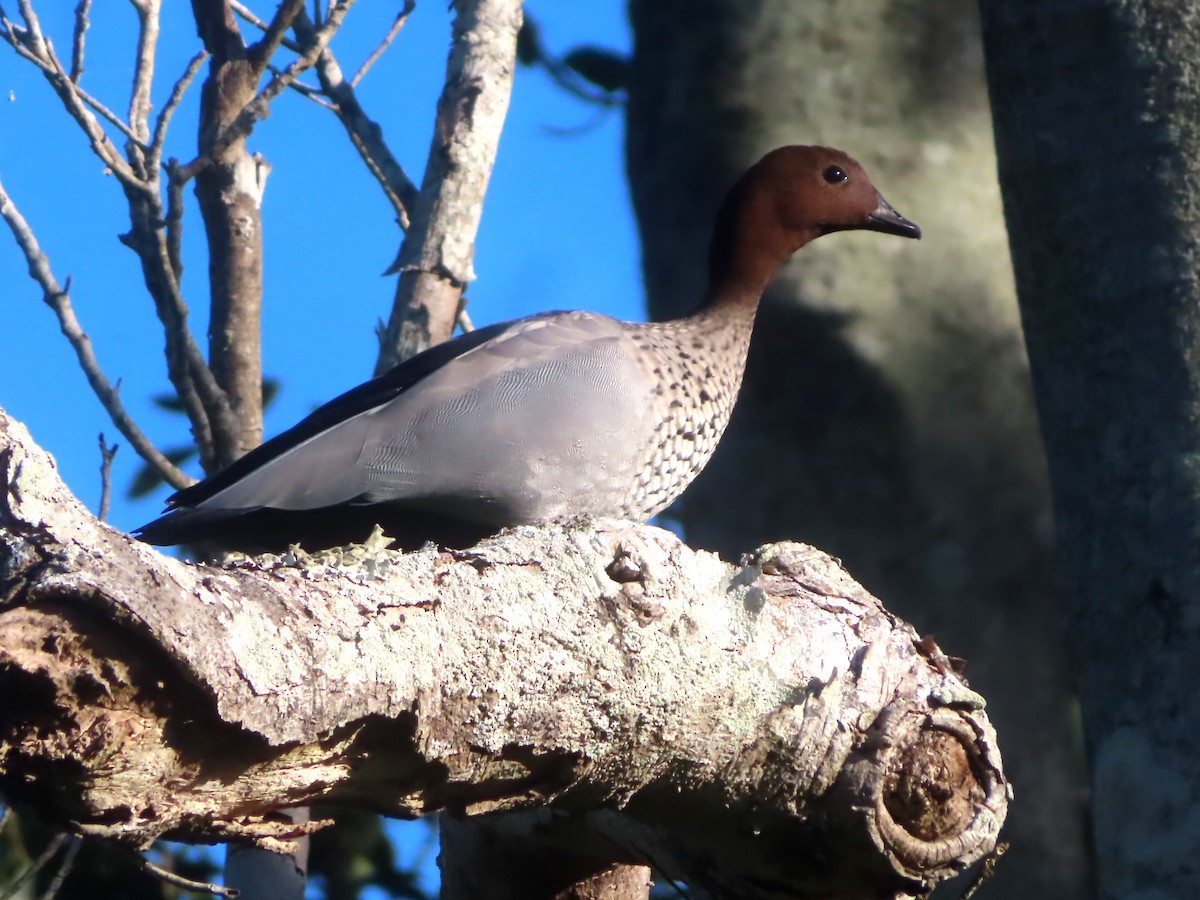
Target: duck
point(558, 414)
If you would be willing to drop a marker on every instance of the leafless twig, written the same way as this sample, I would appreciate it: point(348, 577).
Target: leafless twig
point(364, 133)
point(258, 107)
point(64, 868)
point(57, 299)
point(308, 92)
point(401, 18)
point(106, 457)
point(187, 884)
point(986, 870)
point(254, 20)
point(177, 92)
point(81, 27)
point(143, 70)
point(31, 45)
point(15, 886)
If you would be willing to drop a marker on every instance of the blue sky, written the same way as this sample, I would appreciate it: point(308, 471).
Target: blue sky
point(557, 230)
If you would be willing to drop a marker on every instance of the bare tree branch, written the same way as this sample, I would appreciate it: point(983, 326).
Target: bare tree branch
point(261, 52)
point(401, 18)
point(364, 133)
point(207, 406)
point(168, 110)
point(200, 887)
point(765, 723)
point(435, 258)
point(64, 869)
point(315, 94)
point(15, 887)
point(143, 70)
point(254, 20)
point(35, 48)
point(257, 108)
point(106, 457)
point(56, 298)
point(81, 27)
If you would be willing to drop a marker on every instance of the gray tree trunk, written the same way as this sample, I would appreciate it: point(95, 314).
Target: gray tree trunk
point(1097, 115)
point(887, 412)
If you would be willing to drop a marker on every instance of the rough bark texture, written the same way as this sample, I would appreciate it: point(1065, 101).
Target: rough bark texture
point(229, 189)
point(758, 730)
point(887, 414)
point(1097, 112)
point(435, 259)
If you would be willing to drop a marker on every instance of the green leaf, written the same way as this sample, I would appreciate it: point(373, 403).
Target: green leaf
point(606, 69)
point(169, 402)
point(148, 479)
point(529, 43)
point(270, 390)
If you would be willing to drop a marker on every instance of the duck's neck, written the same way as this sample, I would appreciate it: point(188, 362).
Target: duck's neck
point(747, 248)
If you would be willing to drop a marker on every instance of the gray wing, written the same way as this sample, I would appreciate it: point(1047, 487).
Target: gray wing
point(546, 418)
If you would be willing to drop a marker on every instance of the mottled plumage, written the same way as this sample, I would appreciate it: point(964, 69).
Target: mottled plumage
point(561, 413)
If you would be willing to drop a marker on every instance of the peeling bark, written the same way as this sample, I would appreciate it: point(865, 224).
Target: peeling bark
point(764, 729)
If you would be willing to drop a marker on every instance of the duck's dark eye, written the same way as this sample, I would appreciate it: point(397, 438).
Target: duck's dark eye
point(835, 175)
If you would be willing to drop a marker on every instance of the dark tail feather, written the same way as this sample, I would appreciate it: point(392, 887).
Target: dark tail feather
point(273, 530)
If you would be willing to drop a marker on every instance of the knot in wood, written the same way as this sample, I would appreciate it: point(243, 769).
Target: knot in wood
point(625, 568)
point(934, 792)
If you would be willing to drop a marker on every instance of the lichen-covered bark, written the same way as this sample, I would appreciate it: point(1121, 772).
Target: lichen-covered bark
point(731, 723)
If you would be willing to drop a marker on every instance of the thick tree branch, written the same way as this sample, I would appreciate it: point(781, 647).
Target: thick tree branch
point(435, 259)
point(143, 69)
point(752, 730)
point(260, 53)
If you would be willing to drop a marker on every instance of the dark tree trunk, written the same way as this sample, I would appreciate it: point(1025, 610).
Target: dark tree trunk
point(1097, 116)
point(887, 413)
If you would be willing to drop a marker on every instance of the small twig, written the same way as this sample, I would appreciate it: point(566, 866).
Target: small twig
point(187, 884)
point(364, 133)
point(986, 870)
point(258, 23)
point(461, 319)
point(106, 457)
point(177, 92)
point(315, 94)
point(64, 868)
point(15, 886)
point(401, 18)
point(56, 298)
point(33, 47)
point(81, 27)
